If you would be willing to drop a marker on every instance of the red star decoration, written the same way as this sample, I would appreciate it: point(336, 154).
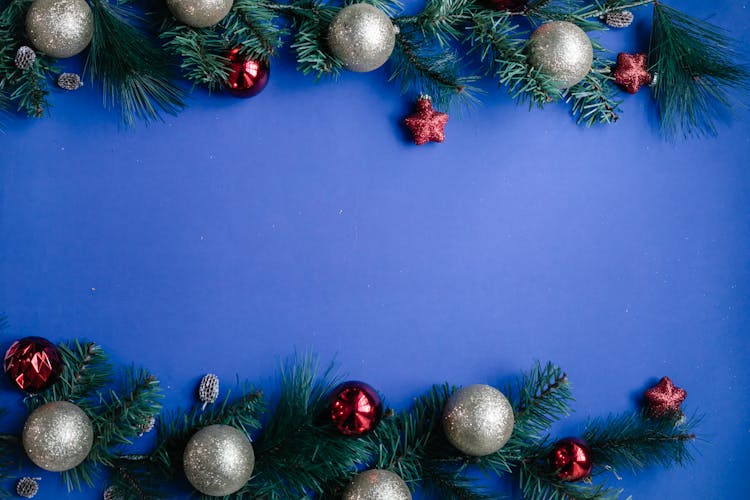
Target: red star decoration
point(425, 123)
point(631, 72)
point(664, 398)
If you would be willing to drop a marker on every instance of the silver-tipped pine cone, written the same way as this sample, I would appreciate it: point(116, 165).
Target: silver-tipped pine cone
point(618, 18)
point(69, 81)
point(27, 487)
point(208, 390)
point(25, 57)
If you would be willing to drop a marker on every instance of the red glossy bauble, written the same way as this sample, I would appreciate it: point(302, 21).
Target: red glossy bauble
point(33, 364)
point(247, 77)
point(355, 408)
point(571, 458)
point(509, 5)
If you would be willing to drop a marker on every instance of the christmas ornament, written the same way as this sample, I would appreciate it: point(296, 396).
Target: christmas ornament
point(112, 493)
point(33, 364)
point(514, 6)
point(200, 13)
point(478, 420)
point(27, 487)
point(247, 77)
point(69, 81)
point(208, 389)
point(218, 460)
point(57, 436)
point(631, 72)
point(60, 28)
point(426, 124)
point(362, 37)
point(377, 484)
point(618, 18)
point(25, 57)
point(571, 459)
point(562, 51)
point(355, 408)
point(147, 426)
point(664, 399)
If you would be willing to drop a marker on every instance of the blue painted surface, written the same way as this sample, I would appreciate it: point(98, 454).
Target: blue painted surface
point(226, 238)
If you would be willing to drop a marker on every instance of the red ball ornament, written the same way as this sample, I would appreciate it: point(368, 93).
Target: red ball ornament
point(247, 77)
point(33, 364)
point(571, 459)
point(355, 408)
point(509, 5)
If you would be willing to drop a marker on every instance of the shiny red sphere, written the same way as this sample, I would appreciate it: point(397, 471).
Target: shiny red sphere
point(247, 77)
point(33, 364)
point(571, 459)
point(355, 408)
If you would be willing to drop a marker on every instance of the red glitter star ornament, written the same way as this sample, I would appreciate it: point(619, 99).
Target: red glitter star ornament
point(664, 399)
point(631, 72)
point(426, 124)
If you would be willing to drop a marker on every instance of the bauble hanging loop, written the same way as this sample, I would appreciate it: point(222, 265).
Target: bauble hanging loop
point(200, 13)
point(362, 37)
point(60, 28)
point(57, 436)
point(562, 51)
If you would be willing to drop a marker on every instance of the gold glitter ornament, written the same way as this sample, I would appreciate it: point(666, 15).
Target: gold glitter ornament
point(57, 436)
point(362, 37)
point(478, 420)
point(200, 13)
point(60, 28)
point(377, 484)
point(218, 460)
point(562, 51)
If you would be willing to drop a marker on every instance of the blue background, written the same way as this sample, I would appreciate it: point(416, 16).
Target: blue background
point(224, 239)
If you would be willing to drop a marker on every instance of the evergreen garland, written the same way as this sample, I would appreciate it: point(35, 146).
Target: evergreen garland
point(441, 51)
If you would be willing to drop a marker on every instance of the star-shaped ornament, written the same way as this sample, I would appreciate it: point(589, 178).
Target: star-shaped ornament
point(631, 72)
point(664, 399)
point(426, 124)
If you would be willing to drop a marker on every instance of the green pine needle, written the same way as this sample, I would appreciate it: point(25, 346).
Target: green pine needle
point(594, 99)
point(310, 19)
point(543, 398)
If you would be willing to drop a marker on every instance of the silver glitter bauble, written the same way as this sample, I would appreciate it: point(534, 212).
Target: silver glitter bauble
point(57, 436)
point(377, 484)
point(562, 51)
point(478, 420)
point(200, 13)
point(362, 37)
point(218, 460)
point(60, 28)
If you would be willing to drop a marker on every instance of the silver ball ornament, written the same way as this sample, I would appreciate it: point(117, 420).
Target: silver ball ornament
point(218, 460)
point(562, 51)
point(200, 13)
point(362, 37)
point(377, 484)
point(478, 420)
point(60, 28)
point(57, 436)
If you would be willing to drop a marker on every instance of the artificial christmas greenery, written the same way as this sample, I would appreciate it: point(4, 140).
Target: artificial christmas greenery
point(300, 454)
point(442, 51)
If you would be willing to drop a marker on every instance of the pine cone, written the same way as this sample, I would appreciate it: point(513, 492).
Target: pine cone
point(27, 487)
point(147, 426)
point(69, 81)
point(618, 18)
point(25, 57)
point(208, 390)
point(111, 493)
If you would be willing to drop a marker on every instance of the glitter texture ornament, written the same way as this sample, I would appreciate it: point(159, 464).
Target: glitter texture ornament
point(664, 399)
point(247, 77)
point(377, 484)
point(33, 364)
point(69, 81)
point(208, 389)
point(57, 436)
point(571, 459)
point(27, 487)
point(562, 51)
point(200, 13)
point(478, 420)
point(60, 28)
point(426, 124)
point(618, 18)
point(362, 37)
point(25, 57)
point(631, 72)
point(355, 408)
point(218, 460)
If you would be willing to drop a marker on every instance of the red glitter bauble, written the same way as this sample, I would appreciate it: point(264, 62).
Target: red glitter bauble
point(33, 364)
point(247, 77)
point(571, 459)
point(509, 5)
point(355, 408)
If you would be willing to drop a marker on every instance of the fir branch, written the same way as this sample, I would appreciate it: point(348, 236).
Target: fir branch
point(598, 8)
point(254, 29)
point(201, 52)
point(696, 70)
point(543, 398)
point(442, 20)
point(133, 71)
point(537, 482)
point(9, 456)
point(594, 99)
point(310, 19)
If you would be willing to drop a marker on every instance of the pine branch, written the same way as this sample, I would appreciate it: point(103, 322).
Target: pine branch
point(696, 70)
point(543, 398)
point(133, 71)
point(251, 26)
point(9, 456)
point(201, 52)
point(310, 19)
point(594, 99)
point(441, 20)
